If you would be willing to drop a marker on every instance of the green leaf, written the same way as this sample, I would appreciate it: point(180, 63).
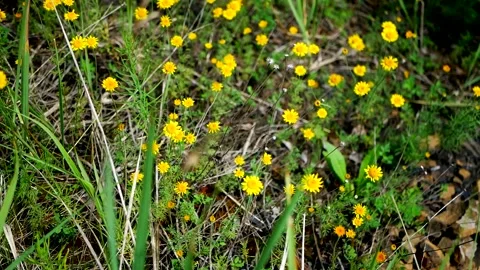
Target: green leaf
point(335, 160)
point(369, 159)
point(9, 195)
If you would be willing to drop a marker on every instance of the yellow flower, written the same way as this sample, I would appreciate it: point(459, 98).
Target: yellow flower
point(178, 136)
point(170, 204)
point(322, 113)
point(235, 5)
point(357, 221)
point(409, 34)
point(360, 210)
point(239, 173)
point(164, 4)
point(173, 116)
point(192, 36)
point(155, 148)
point(356, 42)
point(141, 13)
point(313, 49)
point(121, 127)
point(399, 19)
point(350, 233)
point(247, 30)
point(171, 128)
point(446, 68)
point(342, 188)
point(213, 127)
point(92, 42)
point(300, 49)
point(311, 209)
point(344, 51)
point(163, 167)
point(261, 39)
point(317, 103)
point(289, 190)
point(165, 21)
point(3, 79)
point(388, 25)
point(136, 176)
point(239, 160)
point(188, 102)
point(290, 116)
point(267, 159)
point(393, 247)
point(312, 83)
point(68, 3)
point(390, 34)
point(177, 102)
point(109, 84)
point(208, 45)
point(180, 252)
point(51, 4)
point(212, 218)
point(176, 41)
point(381, 257)
point(308, 134)
point(262, 24)
point(217, 86)
point(374, 173)
point(360, 70)
point(217, 12)
point(229, 14)
point(361, 88)
point(339, 231)
point(190, 138)
point(427, 154)
point(169, 68)
point(397, 100)
point(312, 183)
point(389, 63)
point(70, 16)
point(334, 79)
point(210, 1)
point(181, 188)
point(293, 30)
point(476, 91)
point(213, 60)
point(300, 70)
point(78, 43)
point(252, 185)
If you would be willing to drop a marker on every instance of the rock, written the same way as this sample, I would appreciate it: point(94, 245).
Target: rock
point(468, 222)
point(434, 252)
point(467, 250)
point(447, 195)
point(464, 173)
point(450, 215)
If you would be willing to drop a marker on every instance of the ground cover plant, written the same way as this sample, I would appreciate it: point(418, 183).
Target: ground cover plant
point(234, 134)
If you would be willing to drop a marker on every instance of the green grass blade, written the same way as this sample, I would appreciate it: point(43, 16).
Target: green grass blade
point(474, 61)
point(73, 167)
point(277, 232)
point(24, 54)
point(7, 202)
point(32, 248)
point(110, 217)
point(298, 18)
point(145, 201)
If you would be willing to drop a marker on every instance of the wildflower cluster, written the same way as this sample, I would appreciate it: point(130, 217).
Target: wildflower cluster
point(227, 65)
point(80, 43)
